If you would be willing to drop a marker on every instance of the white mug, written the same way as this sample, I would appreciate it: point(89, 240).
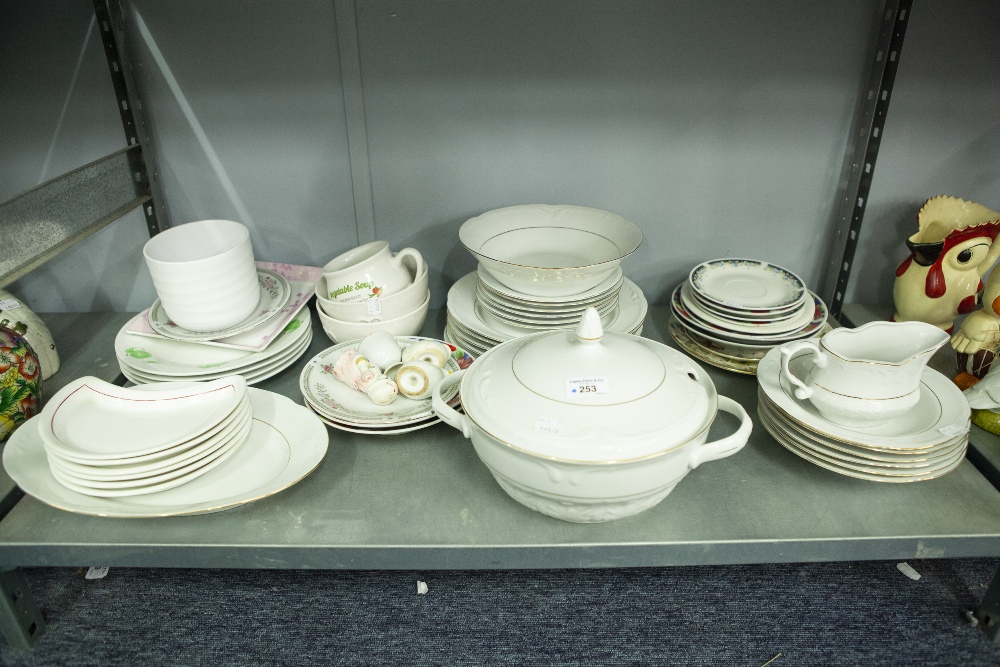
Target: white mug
point(370, 270)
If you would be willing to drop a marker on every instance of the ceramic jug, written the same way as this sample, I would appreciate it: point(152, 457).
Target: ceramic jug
point(20, 378)
point(864, 376)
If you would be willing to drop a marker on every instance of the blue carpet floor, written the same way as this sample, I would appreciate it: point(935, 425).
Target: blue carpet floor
point(804, 614)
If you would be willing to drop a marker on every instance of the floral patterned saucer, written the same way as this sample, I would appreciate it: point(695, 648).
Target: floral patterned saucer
point(274, 294)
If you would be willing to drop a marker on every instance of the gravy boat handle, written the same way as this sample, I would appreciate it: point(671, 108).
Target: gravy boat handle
point(802, 392)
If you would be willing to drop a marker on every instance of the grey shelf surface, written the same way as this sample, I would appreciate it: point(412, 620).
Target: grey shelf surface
point(425, 501)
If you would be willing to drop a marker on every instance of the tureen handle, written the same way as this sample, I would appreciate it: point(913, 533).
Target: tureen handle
point(728, 445)
point(448, 414)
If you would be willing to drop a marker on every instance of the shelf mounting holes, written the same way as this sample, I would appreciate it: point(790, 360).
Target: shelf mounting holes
point(124, 105)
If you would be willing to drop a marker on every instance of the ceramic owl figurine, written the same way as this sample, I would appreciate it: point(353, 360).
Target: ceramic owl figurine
point(952, 250)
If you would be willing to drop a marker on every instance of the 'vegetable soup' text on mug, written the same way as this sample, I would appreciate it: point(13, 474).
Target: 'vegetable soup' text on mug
point(370, 270)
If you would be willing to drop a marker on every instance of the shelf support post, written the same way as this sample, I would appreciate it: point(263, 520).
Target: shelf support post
point(866, 138)
point(20, 619)
point(129, 108)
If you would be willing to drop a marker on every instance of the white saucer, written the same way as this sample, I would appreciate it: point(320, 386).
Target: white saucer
point(286, 443)
point(747, 284)
point(939, 416)
point(819, 315)
point(274, 294)
point(800, 318)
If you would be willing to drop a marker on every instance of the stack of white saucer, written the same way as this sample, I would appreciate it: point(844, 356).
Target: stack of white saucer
point(540, 267)
point(927, 441)
point(107, 441)
point(730, 312)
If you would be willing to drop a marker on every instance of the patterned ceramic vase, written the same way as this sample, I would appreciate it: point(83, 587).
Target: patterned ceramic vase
point(20, 378)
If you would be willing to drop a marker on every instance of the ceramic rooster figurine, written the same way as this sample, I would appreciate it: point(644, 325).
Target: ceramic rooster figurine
point(952, 250)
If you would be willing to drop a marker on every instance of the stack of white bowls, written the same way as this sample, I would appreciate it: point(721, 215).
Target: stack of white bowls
point(370, 289)
point(540, 268)
point(107, 441)
point(731, 312)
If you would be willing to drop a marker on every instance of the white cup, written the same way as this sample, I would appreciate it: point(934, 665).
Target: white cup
point(204, 273)
point(381, 349)
point(369, 270)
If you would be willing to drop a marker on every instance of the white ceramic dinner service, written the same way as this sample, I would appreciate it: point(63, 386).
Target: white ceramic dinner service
point(862, 403)
point(731, 312)
point(540, 268)
point(342, 407)
point(370, 288)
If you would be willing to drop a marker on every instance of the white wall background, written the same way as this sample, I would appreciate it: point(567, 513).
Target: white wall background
point(720, 128)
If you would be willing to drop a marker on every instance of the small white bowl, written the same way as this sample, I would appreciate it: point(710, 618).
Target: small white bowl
point(392, 306)
point(543, 250)
point(409, 324)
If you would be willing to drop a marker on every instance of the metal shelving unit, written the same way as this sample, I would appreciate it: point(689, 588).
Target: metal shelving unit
point(443, 510)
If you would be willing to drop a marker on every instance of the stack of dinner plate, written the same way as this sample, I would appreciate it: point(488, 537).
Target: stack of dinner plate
point(347, 409)
point(540, 267)
point(107, 441)
point(927, 442)
point(731, 312)
point(144, 358)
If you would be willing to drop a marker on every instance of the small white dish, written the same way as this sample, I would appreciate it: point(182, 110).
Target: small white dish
point(747, 284)
point(800, 317)
point(818, 321)
point(92, 420)
point(286, 442)
point(273, 290)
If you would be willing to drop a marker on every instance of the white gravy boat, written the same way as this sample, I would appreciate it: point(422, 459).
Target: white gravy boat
point(868, 375)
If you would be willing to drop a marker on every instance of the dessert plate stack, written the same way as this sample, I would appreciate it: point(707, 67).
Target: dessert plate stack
point(347, 409)
point(144, 358)
point(731, 312)
point(108, 441)
point(927, 442)
point(540, 267)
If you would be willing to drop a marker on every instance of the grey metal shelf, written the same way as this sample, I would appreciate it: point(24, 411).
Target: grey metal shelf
point(425, 501)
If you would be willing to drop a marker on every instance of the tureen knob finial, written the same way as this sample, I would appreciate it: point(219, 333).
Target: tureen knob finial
point(590, 329)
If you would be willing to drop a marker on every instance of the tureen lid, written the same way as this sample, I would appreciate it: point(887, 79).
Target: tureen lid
point(588, 395)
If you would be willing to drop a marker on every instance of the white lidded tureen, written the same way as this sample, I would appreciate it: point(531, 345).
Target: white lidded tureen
point(589, 426)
